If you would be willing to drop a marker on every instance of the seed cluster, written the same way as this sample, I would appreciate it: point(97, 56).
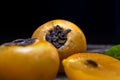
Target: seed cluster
point(57, 36)
point(20, 42)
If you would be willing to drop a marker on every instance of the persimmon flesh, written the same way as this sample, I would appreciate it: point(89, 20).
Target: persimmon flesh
point(91, 66)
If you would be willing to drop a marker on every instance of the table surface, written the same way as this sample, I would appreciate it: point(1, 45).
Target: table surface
point(90, 48)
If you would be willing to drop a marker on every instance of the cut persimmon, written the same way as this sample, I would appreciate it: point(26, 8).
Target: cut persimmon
point(91, 66)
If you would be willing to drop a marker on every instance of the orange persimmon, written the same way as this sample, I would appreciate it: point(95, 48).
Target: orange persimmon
point(28, 59)
point(91, 66)
point(66, 36)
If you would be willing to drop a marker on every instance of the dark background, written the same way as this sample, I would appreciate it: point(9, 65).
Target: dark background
point(99, 19)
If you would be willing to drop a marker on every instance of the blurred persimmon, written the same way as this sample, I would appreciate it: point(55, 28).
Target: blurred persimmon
point(28, 59)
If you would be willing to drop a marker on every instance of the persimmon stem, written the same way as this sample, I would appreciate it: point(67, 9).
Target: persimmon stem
point(57, 36)
point(20, 42)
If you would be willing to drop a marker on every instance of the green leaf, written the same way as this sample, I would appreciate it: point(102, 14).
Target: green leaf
point(114, 51)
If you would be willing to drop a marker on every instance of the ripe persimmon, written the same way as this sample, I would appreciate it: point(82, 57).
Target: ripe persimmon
point(66, 36)
point(28, 59)
point(91, 66)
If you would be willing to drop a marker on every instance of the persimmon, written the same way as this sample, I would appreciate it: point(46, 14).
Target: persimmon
point(28, 59)
point(65, 35)
point(91, 66)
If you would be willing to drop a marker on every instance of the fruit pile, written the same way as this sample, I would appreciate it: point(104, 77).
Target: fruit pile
point(58, 46)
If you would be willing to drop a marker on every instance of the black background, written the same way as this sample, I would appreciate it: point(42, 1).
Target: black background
point(99, 19)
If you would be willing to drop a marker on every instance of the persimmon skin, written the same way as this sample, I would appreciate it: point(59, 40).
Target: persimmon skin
point(76, 40)
point(38, 61)
point(76, 69)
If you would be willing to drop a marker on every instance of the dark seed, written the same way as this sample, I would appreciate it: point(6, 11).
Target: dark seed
point(91, 63)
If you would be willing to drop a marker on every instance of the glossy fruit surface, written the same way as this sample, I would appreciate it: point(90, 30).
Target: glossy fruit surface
point(35, 61)
point(114, 51)
point(66, 36)
point(92, 66)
